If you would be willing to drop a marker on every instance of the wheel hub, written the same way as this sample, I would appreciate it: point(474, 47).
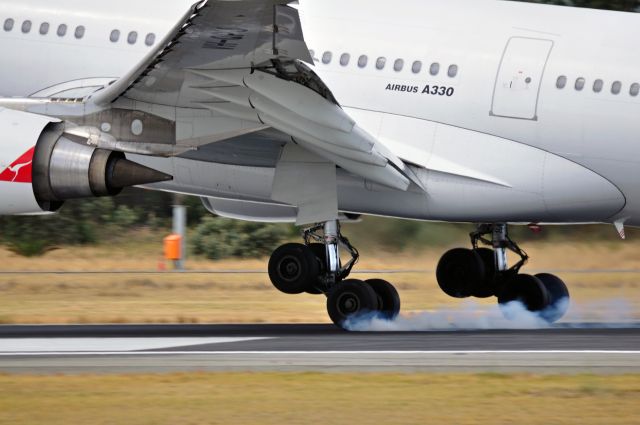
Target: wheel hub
point(289, 268)
point(348, 303)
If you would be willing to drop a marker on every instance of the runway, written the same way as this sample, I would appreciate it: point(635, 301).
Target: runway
point(164, 348)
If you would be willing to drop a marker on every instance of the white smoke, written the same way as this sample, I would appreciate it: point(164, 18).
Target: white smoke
point(471, 315)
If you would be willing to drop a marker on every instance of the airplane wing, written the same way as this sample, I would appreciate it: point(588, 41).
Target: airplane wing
point(247, 60)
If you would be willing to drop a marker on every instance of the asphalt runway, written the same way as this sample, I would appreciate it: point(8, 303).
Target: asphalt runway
point(165, 348)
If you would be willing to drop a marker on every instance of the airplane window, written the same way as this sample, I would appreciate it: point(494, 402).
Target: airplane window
point(634, 90)
point(80, 32)
point(115, 36)
point(453, 71)
point(8, 24)
point(381, 62)
point(562, 82)
point(417, 67)
point(150, 39)
point(326, 58)
point(598, 85)
point(580, 83)
point(44, 28)
point(26, 27)
point(344, 59)
point(616, 87)
point(435, 68)
point(62, 30)
point(132, 38)
point(362, 61)
point(398, 65)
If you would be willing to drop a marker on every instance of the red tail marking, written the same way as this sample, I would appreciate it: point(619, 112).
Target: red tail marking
point(21, 169)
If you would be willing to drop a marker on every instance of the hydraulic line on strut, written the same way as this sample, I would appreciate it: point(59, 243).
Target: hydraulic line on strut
point(329, 234)
point(500, 242)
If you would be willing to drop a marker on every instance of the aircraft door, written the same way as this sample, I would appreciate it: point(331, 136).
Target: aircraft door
point(519, 78)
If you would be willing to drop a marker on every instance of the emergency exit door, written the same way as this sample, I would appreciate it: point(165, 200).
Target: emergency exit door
point(517, 88)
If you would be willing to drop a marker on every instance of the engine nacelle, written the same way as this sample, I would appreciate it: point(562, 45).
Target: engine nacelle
point(41, 166)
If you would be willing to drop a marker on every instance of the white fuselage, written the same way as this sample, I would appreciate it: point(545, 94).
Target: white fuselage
point(427, 78)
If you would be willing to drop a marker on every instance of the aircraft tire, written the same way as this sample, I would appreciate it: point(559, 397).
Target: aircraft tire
point(351, 298)
point(459, 271)
point(388, 298)
point(558, 297)
point(487, 288)
point(293, 268)
point(527, 289)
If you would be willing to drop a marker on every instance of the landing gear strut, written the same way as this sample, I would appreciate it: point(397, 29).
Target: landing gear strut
point(485, 272)
point(315, 267)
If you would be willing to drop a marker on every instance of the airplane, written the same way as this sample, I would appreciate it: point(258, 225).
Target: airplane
point(314, 112)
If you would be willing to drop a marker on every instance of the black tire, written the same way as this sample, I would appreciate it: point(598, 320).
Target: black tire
point(388, 298)
point(558, 297)
point(459, 272)
point(351, 298)
point(320, 252)
point(293, 268)
point(527, 289)
point(487, 288)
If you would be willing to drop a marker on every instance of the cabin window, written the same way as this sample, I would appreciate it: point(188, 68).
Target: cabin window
point(150, 39)
point(561, 82)
point(115, 36)
point(8, 24)
point(416, 67)
point(44, 28)
point(453, 71)
point(326, 58)
point(634, 90)
point(62, 30)
point(26, 27)
point(616, 87)
point(132, 38)
point(580, 83)
point(381, 62)
point(80, 32)
point(598, 85)
point(434, 69)
point(398, 65)
point(344, 59)
point(362, 61)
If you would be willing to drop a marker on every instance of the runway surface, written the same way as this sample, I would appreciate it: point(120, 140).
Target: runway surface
point(163, 348)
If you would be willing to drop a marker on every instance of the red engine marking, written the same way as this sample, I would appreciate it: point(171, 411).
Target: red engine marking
point(20, 170)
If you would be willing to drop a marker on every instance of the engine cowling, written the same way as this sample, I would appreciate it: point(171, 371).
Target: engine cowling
point(41, 166)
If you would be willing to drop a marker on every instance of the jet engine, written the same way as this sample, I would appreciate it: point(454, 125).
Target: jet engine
point(41, 166)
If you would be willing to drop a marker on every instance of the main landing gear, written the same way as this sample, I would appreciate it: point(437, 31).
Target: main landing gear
point(484, 272)
point(315, 267)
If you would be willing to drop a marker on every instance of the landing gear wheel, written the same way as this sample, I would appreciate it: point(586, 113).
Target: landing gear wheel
point(459, 272)
point(293, 268)
point(527, 289)
point(349, 299)
point(388, 298)
point(558, 297)
point(320, 252)
point(487, 288)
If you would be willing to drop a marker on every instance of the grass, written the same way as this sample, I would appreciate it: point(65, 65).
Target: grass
point(302, 398)
point(250, 298)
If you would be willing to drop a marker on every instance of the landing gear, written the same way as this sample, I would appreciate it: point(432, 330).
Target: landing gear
point(315, 267)
point(483, 273)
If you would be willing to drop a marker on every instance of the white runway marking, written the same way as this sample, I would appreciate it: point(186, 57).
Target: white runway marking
point(98, 345)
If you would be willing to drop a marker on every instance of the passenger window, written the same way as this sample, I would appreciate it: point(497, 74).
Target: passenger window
point(8, 24)
point(598, 85)
point(616, 87)
point(580, 83)
point(115, 36)
point(150, 39)
point(79, 32)
point(435, 69)
point(132, 38)
point(634, 90)
point(326, 58)
point(398, 65)
point(416, 67)
point(44, 28)
point(62, 30)
point(362, 61)
point(26, 27)
point(344, 59)
point(381, 62)
point(453, 71)
point(561, 82)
